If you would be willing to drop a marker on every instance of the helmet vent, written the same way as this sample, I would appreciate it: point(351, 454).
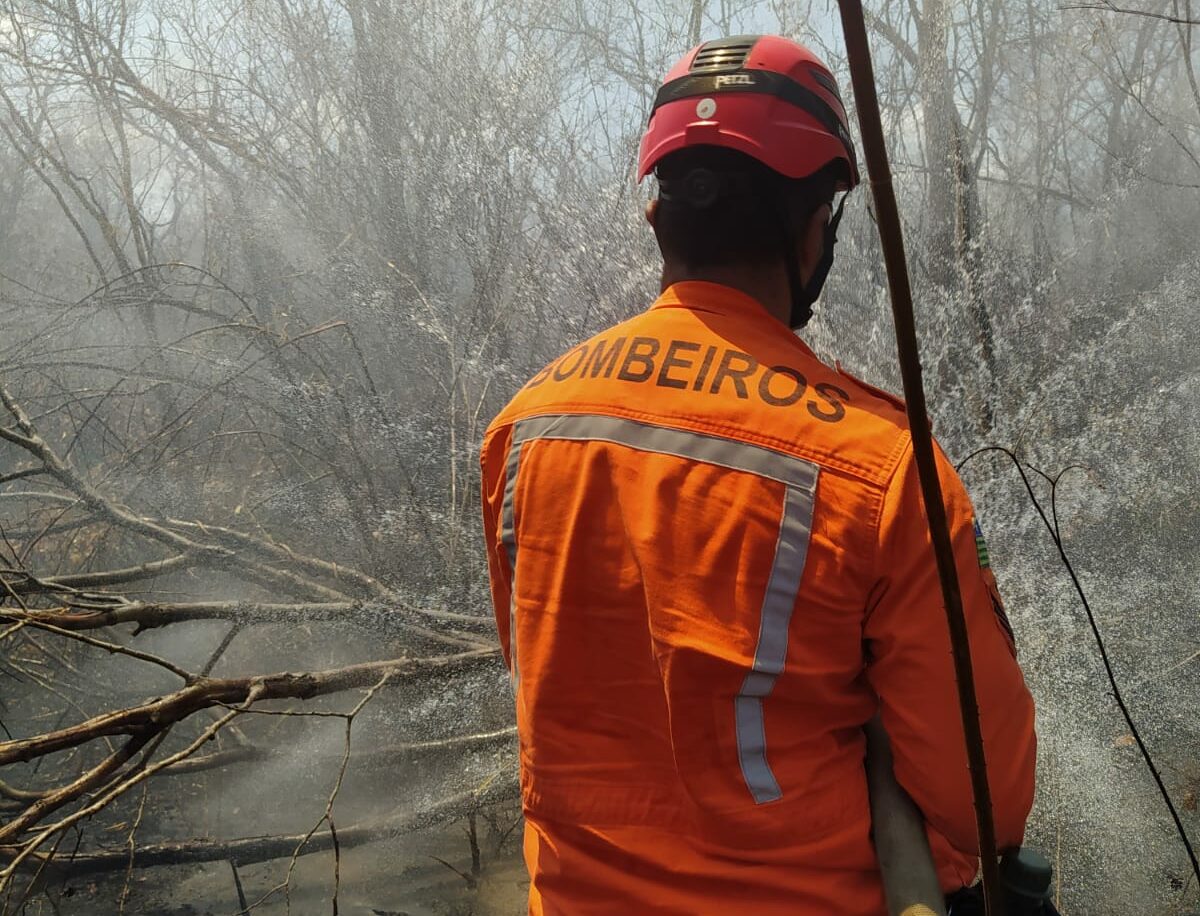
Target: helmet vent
point(723, 54)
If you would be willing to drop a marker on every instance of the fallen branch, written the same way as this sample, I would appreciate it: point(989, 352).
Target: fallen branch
point(201, 553)
point(26, 617)
point(93, 778)
point(501, 787)
point(30, 585)
point(29, 849)
point(363, 760)
point(259, 566)
point(148, 615)
point(208, 692)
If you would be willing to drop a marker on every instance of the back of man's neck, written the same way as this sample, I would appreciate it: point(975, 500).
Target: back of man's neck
point(766, 284)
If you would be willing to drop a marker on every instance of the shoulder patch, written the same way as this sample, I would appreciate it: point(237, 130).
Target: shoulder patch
point(989, 581)
point(981, 548)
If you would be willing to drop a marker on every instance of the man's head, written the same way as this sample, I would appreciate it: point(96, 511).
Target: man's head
point(749, 140)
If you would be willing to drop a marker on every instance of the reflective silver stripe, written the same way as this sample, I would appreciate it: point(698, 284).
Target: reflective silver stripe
point(508, 537)
point(729, 453)
point(791, 549)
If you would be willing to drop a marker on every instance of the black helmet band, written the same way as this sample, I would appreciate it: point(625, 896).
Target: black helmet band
point(766, 82)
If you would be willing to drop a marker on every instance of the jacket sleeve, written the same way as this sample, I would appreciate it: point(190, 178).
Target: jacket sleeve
point(493, 460)
point(912, 672)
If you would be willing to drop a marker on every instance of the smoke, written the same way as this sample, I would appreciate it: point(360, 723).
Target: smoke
point(267, 272)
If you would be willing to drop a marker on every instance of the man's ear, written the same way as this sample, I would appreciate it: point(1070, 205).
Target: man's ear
point(812, 240)
point(652, 213)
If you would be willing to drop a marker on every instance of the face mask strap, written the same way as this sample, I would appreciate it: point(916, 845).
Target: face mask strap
point(804, 296)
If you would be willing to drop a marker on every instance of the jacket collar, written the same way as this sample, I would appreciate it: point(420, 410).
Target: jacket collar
point(718, 299)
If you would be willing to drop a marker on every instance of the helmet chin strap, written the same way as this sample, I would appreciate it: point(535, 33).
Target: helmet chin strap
point(805, 294)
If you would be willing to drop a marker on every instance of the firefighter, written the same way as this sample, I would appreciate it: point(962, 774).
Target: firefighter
point(709, 561)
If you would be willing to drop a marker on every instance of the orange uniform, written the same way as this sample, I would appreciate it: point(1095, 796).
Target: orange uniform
point(710, 567)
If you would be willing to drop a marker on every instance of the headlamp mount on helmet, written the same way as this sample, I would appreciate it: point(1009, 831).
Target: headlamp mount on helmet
point(700, 187)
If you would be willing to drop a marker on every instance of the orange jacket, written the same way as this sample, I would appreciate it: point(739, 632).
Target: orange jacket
point(710, 567)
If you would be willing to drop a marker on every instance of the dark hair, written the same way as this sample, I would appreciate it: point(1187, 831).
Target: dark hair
point(718, 207)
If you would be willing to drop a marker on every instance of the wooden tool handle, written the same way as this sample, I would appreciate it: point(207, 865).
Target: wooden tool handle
point(910, 880)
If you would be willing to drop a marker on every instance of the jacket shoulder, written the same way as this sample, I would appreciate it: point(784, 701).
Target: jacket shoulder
point(874, 436)
point(891, 400)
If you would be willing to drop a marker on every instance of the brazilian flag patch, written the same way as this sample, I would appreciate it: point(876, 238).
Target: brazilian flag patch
point(981, 548)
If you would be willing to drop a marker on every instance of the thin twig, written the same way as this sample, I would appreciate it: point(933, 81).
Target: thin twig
point(1106, 7)
point(132, 844)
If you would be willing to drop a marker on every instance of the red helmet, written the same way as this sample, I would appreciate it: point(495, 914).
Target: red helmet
point(762, 95)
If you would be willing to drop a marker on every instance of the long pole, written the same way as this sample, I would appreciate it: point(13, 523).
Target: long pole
point(875, 151)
